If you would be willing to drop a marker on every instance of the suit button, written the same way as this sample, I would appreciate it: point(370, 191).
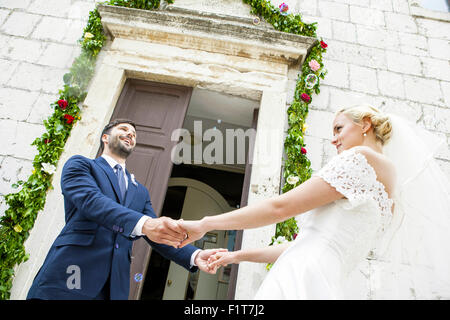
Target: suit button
point(115, 228)
point(121, 230)
point(117, 246)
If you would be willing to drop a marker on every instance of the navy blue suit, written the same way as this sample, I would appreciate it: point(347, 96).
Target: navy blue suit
point(97, 235)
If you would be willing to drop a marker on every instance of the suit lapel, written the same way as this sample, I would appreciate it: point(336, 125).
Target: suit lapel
point(111, 176)
point(131, 191)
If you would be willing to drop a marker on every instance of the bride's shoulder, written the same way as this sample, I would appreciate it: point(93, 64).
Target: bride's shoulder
point(383, 166)
point(373, 157)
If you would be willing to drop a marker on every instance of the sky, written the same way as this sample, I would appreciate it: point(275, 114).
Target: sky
point(438, 5)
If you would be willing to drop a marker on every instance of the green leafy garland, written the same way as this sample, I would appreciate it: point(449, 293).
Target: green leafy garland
point(24, 205)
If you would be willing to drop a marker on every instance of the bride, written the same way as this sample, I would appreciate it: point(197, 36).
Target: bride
point(381, 195)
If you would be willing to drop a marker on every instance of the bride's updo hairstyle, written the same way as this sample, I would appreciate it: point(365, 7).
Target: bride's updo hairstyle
point(382, 126)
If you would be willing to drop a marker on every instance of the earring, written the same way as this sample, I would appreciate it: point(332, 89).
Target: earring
point(365, 134)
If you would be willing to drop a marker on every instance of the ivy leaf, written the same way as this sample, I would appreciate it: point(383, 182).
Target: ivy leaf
point(59, 128)
point(68, 78)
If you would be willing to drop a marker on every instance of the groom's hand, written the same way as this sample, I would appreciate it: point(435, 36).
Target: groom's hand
point(164, 230)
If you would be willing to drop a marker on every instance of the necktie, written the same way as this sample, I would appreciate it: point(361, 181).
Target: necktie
point(121, 178)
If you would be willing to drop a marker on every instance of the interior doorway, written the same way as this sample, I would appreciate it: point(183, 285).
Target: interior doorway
point(192, 192)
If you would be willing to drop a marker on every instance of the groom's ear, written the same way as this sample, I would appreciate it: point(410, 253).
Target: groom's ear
point(104, 140)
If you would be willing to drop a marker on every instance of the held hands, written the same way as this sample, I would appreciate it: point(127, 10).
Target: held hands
point(207, 260)
point(204, 256)
point(222, 258)
point(194, 231)
point(164, 230)
point(173, 233)
point(180, 233)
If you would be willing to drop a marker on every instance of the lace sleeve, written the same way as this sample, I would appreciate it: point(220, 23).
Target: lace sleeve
point(352, 176)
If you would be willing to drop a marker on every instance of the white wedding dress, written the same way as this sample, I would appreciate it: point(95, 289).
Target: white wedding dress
point(334, 238)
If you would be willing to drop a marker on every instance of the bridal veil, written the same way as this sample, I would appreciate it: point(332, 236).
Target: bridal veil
point(413, 258)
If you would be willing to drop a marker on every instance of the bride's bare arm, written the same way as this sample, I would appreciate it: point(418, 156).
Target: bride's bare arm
point(311, 194)
point(262, 255)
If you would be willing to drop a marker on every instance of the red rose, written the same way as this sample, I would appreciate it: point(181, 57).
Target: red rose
point(323, 44)
point(305, 97)
point(295, 235)
point(69, 118)
point(46, 141)
point(303, 151)
point(62, 104)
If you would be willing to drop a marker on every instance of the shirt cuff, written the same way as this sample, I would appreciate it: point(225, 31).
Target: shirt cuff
point(194, 255)
point(137, 231)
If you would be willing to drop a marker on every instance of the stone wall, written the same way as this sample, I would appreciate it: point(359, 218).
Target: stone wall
point(38, 43)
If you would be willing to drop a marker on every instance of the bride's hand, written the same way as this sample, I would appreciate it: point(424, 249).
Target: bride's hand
point(222, 258)
point(194, 230)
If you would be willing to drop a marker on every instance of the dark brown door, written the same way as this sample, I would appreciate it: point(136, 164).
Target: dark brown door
point(157, 110)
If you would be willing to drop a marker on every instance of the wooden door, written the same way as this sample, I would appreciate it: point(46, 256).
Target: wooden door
point(157, 109)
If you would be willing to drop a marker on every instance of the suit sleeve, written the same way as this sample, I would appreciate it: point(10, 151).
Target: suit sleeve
point(79, 186)
point(180, 256)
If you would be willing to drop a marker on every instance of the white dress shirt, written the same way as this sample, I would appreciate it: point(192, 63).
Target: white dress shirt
point(137, 231)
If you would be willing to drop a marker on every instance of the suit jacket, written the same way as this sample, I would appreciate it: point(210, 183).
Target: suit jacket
point(96, 240)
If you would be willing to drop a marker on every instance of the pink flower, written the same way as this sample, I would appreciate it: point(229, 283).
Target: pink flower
point(305, 97)
point(314, 65)
point(283, 8)
point(303, 150)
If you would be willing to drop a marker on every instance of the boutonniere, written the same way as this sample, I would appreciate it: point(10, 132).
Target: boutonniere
point(133, 180)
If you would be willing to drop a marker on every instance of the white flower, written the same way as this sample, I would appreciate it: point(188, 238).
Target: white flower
point(280, 240)
point(49, 168)
point(88, 35)
point(133, 180)
point(292, 179)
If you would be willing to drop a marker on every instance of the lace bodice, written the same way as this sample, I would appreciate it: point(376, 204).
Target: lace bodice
point(366, 208)
point(351, 174)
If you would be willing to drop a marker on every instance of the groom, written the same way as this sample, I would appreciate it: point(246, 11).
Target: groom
point(105, 210)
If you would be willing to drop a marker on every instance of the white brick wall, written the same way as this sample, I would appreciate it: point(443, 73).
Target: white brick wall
point(38, 43)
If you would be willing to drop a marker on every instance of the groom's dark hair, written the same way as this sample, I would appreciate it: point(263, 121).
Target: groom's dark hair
point(112, 124)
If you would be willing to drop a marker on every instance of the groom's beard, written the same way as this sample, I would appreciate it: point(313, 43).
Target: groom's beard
point(119, 148)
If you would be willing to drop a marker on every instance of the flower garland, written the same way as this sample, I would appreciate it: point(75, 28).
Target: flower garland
point(24, 205)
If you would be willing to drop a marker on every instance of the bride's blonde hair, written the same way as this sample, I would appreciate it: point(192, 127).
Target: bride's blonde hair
point(382, 126)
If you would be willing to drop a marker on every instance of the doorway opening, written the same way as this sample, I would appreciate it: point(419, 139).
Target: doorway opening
point(199, 187)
